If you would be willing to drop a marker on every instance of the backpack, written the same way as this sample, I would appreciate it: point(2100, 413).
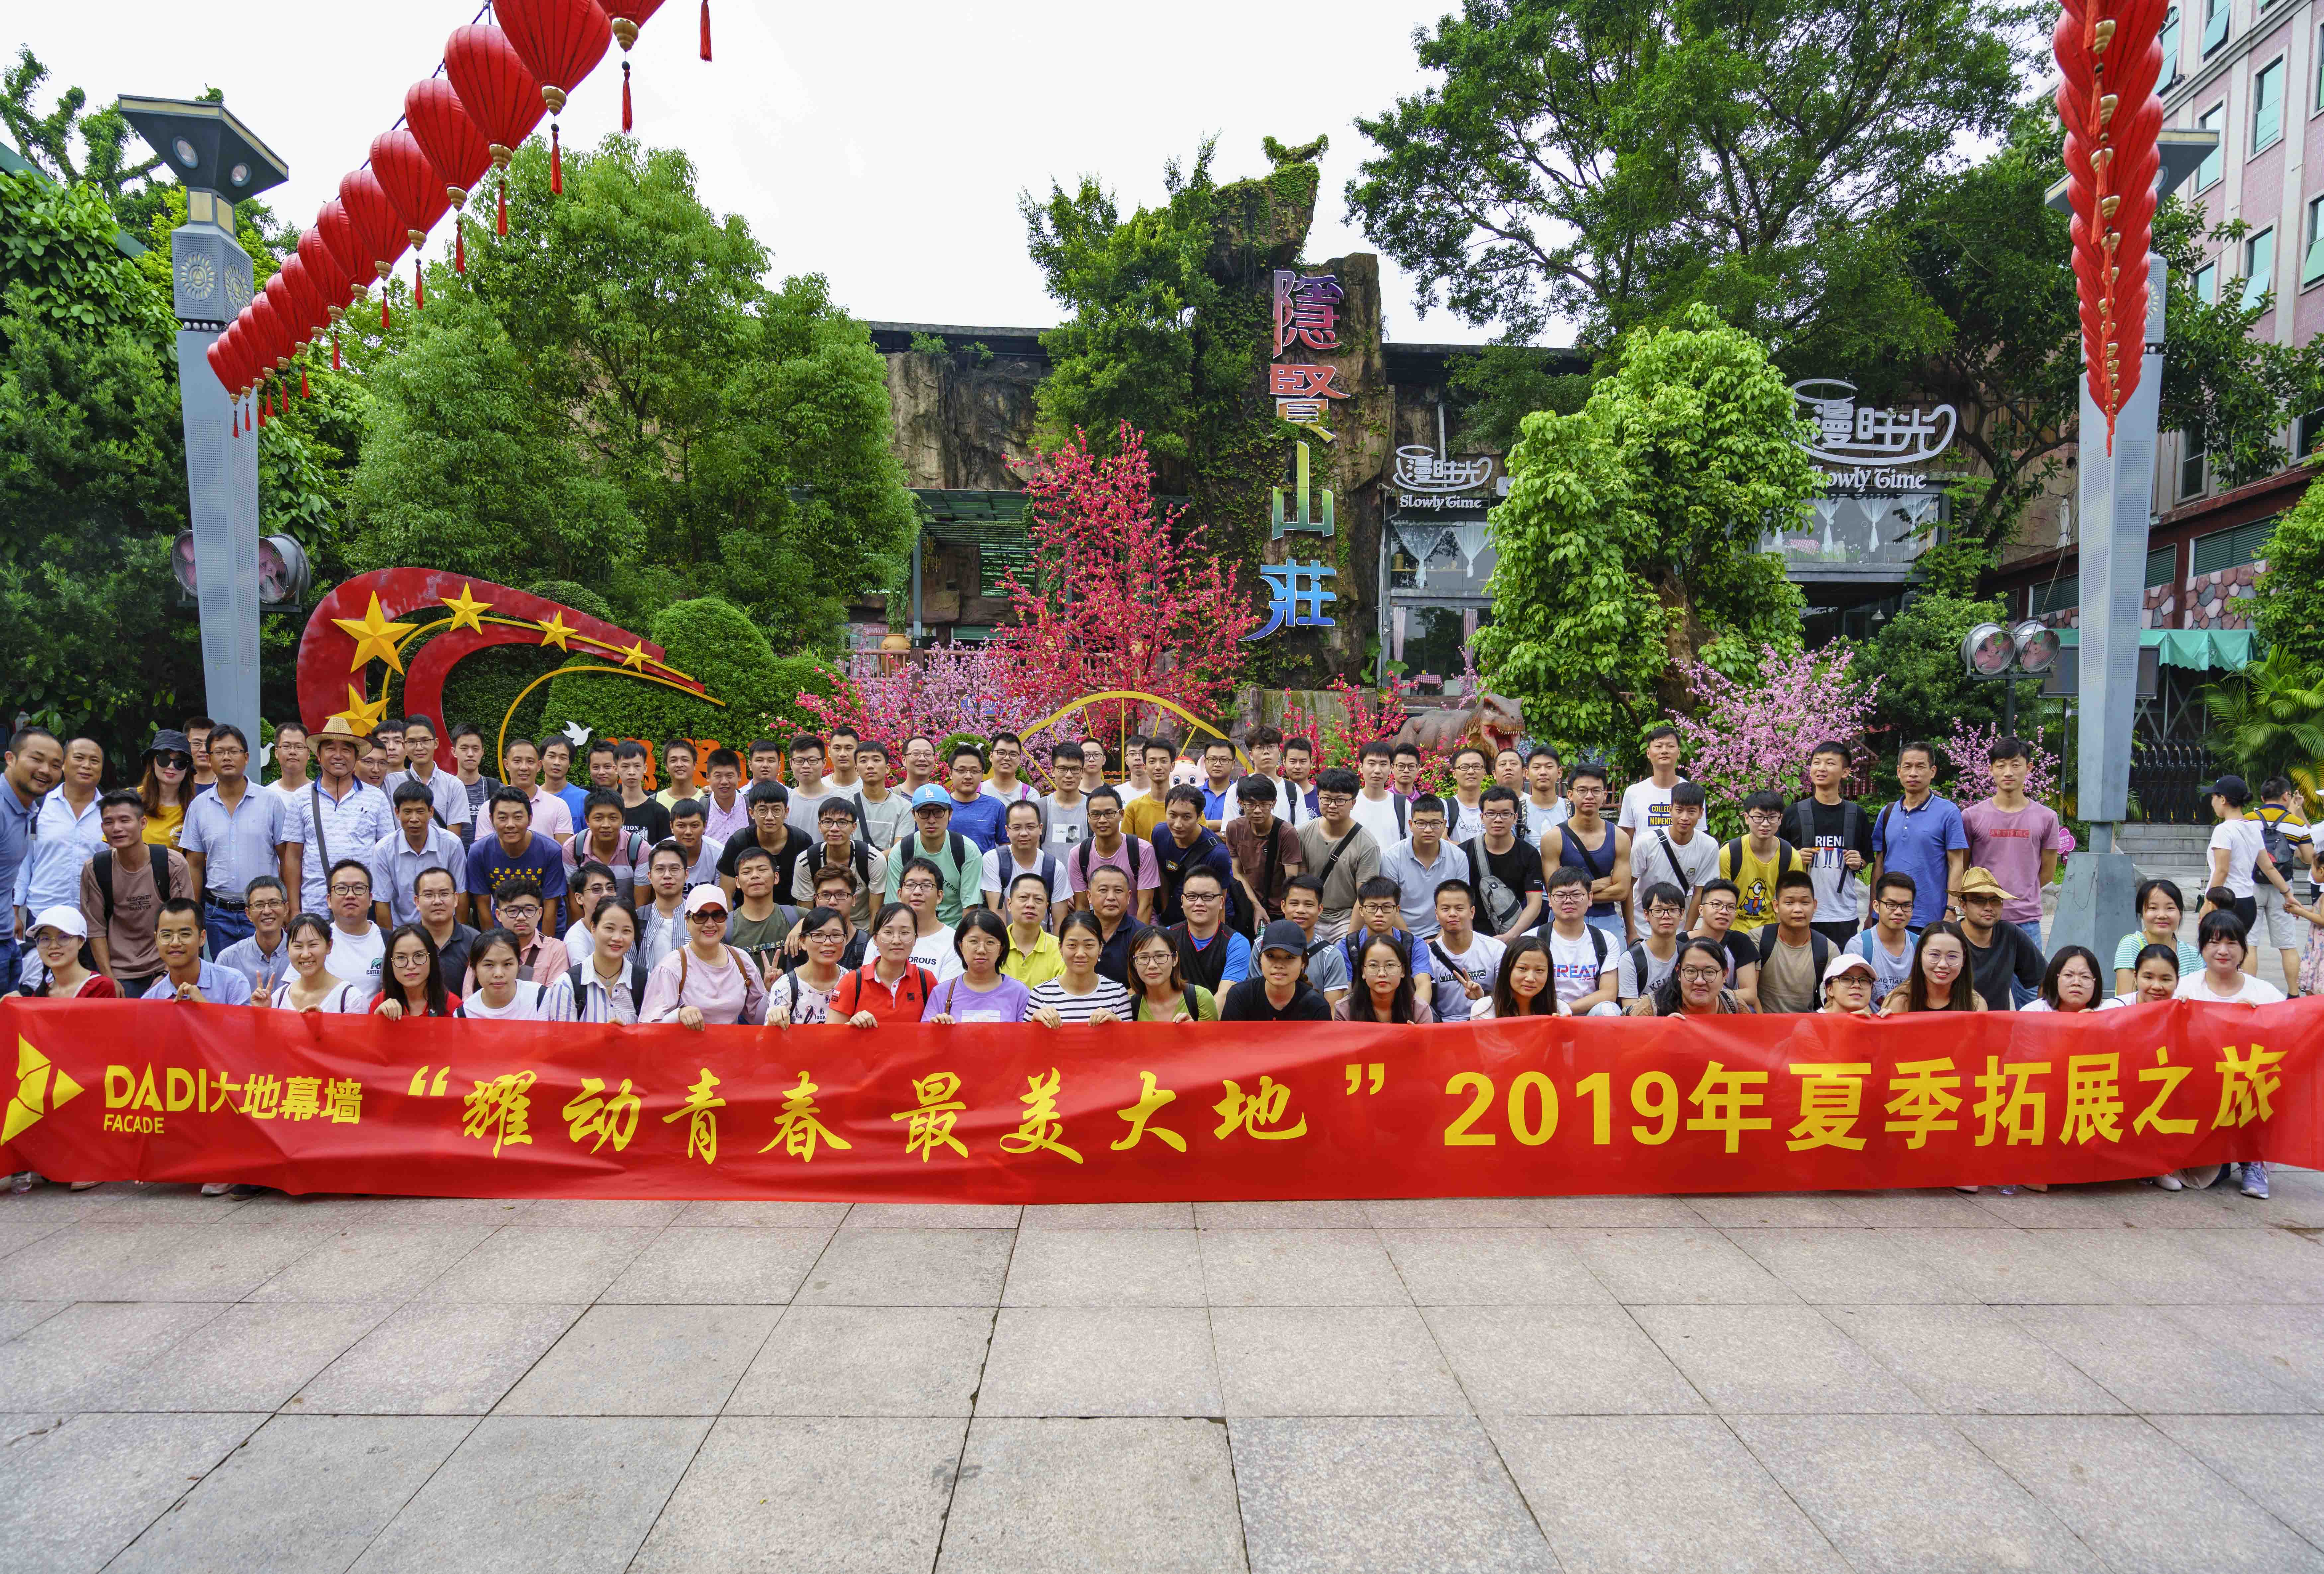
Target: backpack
point(954, 843)
point(579, 981)
point(2271, 834)
point(859, 855)
point(1851, 822)
point(1639, 961)
point(1819, 952)
point(1082, 856)
point(102, 864)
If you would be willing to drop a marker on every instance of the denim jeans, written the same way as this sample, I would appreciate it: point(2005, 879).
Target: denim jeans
point(222, 926)
point(1611, 924)
point(2019, 995)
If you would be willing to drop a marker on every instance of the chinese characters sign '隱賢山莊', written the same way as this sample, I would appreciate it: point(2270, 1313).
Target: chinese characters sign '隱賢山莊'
point(157, 1091)
point(1306, 318)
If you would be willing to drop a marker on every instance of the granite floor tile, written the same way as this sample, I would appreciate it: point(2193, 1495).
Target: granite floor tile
point(2278, 1265)
point(601, 1213)
point(2136, 1498)
point(1062, 1496)
point(1972, 1360)
point(437, 1358)
point(1843, 1266)
point(369, 1264)
point(547, 1267)
point(2277, 1460)
point(763, 1215)
point(2286, 1342)
point(306, 1493)
point(569, 1494)
point(1618, 1213)
point(910, 1267)
point(18, 1230)
point(933, 1215)
point(1105, 1267)
point(113, 1258)
point(2169, 1267)
point(1331, 1360)
point(1558, 1360)
point(88, 1347)
point(1942, 1207)
point(1775, 1211)
point(1909, 1493)
point(1492, 1267)
point(1383, 1493)
point(81, 1488)
point(645, 1360)
point(2155, 1364)
point(735, 1265)
point(1773, 1360)
point(1062, 1216)
point(824, 1496)
point(869, 1361)
point(2004, 1267)
point(1455, 1213)
point(1666, 1267)
point(1083, 1361)
point(16, 1316)
point(250, 1356)
point(1299, 1267)
point(1244, 1215)
point(1706, 1505)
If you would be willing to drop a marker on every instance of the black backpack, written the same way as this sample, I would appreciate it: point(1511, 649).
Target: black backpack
point(102, 865)
point(577, 979)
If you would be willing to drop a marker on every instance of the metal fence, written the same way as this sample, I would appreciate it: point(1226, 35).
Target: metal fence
point(2167, 781)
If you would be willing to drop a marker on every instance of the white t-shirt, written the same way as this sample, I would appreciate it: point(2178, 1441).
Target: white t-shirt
point(1888, 972)
point(1698, 861)
point(1466, 821)
point(577, 943)
point(1573, 964)
point(346, 1000)
point(1481, 961)
point(1384, 819)
point(935, 953)
point(1001, 870)
point(530, 1003)
point(1023, 791)
point(357, 957)
point(1643, 807)
point(2244, 841)
point(1628, 985)
point(2253, 991)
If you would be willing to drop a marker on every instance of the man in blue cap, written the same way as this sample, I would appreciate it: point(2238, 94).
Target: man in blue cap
point(959, 860)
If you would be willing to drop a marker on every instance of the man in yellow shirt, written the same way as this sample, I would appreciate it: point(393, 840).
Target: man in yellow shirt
point(1033, 956)
point(1757, 860)
point(1140, 815)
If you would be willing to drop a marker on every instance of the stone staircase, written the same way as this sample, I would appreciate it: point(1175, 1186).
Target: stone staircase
point(2177, 853)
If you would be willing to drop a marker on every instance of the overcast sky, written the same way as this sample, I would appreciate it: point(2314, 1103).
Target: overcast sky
point(881, 145)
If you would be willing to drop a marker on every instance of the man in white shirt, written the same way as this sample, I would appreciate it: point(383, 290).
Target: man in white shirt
point(725, 809)
point(67, 832)
point(1137, 782)
point(920, 764)
point(1648, 961)
point(884, 817)
point(1064, 813)
point(1466, 807)
point(447, 796)
point(847, 774)
point(1296, 801)
point(688, 829)
point(1023, 854)
point(1377, 808)
point(1646, 805)
point(358, 946)
point(809, 789)
point(292, 754)
point(1003, 782)
point(1680, 854)
point(1473, 959)
point(1092, 758)
point(1888, 945)
point(551, 816)
point(1543, 807)
point(1579, 950)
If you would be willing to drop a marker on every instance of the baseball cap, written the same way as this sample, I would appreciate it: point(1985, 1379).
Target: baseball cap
point(928, 795)
point(707, 894)
point(1283, 935)
point(63, 919)
point(2234, 789)
point(1846, 962)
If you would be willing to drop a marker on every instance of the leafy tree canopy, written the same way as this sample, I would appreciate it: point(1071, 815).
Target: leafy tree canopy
point(2289, 612)
point(1628, 545)
point(610, 395)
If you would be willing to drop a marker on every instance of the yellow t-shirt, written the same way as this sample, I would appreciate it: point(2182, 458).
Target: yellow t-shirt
point(162, 829)
point(1139, 816)
point(1756, 877)
point(1036, 967)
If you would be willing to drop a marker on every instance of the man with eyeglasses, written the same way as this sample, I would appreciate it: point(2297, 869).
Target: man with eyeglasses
point(1888, 945)
point(1343, 854)
point(917, 887)
point(1503, 868)
point(260, 956)
point(357, 945)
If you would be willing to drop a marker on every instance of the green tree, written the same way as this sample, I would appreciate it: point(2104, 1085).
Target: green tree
point(1628, 545)
point(2289, 611)
point(110, 161)
point(2268, 719)
point(610, 395)
point(1924, 688)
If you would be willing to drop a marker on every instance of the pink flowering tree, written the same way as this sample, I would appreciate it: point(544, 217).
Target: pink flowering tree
point(1966, 748)
point(974, 690)
point(1752, 735)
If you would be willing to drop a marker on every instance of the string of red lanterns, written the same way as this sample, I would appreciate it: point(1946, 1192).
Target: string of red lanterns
point(495, 84)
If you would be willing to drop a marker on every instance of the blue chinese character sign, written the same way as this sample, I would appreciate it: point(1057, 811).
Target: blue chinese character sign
point(1296, 597)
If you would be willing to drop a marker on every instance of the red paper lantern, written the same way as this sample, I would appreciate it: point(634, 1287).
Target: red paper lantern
point(346, 245)
point(269, 338)
point(560, 42)
point(323, 271)
point(501, 97)
point(418, 197)
point(626, 17)
point(433, 113)
point(278, 295)
point(312, 311)
point(380, 233)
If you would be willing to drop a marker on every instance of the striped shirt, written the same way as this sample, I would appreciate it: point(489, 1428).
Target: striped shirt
point(1108, 995)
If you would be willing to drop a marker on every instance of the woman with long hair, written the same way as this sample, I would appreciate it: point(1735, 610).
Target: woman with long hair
point(801, 996)
point(1080, 993)
point(1521, 987)
point(1695, 986)
point(979, 991)
point(1383, 987)
point(494, 960)
point(167, 786)
point(1158, 991)
point(2071, 982)
point(1939, 979)
point(891, 986)
point(312, 986)
point(412, 979)
point(2162, 908)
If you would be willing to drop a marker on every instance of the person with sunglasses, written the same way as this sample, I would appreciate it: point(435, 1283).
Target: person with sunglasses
point(167, 786)
point(706, 980)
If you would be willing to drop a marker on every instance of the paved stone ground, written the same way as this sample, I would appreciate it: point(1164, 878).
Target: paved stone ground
point(2108, 1377)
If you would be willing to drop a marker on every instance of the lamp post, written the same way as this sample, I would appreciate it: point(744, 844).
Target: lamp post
point(219, 163)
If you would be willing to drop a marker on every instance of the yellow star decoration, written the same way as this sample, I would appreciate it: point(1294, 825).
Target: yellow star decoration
point(635, 656)
point(557, 631)
point(375, 636)
point(361, 713)
point(468, 612)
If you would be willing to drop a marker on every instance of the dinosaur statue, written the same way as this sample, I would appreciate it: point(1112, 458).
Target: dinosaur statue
point(1494, 723)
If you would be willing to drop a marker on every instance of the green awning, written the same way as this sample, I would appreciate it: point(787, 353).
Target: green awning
point(2201, 650)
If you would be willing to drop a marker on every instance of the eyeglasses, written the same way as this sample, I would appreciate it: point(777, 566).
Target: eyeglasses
point(1193, 896)
point(519, 910)
point(1892, 904)
point(344, 889)
point(1702, 974)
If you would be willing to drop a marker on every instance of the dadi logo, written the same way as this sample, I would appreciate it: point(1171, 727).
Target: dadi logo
point(39, 1089)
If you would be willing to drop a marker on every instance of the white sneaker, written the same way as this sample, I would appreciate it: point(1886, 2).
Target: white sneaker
point(217, 1188)
point(2170, 1182)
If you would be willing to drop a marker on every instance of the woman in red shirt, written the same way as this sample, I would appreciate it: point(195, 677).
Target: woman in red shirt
point(891, 987)
point(58, 934)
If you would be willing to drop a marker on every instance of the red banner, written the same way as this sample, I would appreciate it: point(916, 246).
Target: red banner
point(159, 1091)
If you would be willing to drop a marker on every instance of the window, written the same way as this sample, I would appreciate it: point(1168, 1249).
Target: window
point(2311, 266)
point(2215, 24)
point(2162, 566)
point(2190, 470)
point(2207, 173)
point(2267, 105)
point(2206, 283)
point(2259, 268)
point(995, 560)
point(2311, 433)
point(2232, 548)
point(2056, 595)
point(2170, 49)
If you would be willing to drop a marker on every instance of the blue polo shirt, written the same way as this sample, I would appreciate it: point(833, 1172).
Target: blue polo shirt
point(540, 869)
point(1915, 841)
point(219, 986)
point(980, 819)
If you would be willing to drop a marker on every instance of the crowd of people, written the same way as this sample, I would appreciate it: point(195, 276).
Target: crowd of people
point(826, 879)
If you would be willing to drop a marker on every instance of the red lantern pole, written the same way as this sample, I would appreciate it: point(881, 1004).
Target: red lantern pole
point(2111, 58)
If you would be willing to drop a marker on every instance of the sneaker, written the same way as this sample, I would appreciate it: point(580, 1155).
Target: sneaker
point(217, 1188)
point(2009, 1191)
point(1965, 1188)
point(2170, 1182)
point(2256, 1180)
point(86, 1185)
point(24, 1181)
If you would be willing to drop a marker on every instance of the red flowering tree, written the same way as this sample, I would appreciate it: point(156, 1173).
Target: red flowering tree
point(1127, 596)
